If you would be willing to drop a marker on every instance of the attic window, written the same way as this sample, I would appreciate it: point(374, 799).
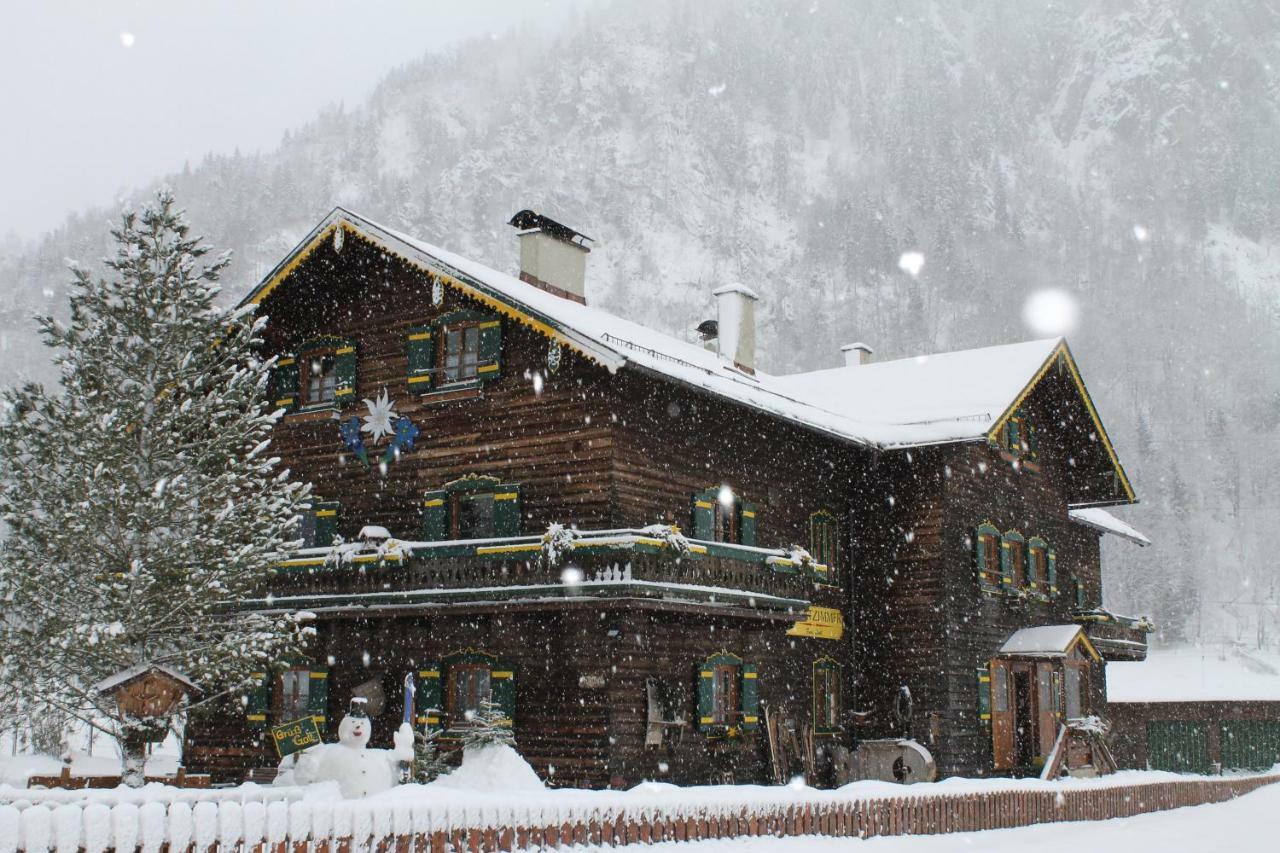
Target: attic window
point(1018, 437)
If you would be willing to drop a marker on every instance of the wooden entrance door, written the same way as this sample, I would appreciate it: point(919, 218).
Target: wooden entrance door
point(1025, 718)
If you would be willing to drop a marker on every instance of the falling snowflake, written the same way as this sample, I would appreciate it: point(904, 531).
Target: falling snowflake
point(911, 263)
point(1051, 312)
point(378, 423)
point(127, 39)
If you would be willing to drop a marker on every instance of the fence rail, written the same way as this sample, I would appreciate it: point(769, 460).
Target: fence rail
point(408, 827)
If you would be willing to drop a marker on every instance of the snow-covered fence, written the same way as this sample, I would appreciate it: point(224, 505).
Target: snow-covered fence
point(420, 826)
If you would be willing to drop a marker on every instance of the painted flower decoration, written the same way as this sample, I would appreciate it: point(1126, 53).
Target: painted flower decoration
point(379, 422)
point(350, 431)
point(406, 432)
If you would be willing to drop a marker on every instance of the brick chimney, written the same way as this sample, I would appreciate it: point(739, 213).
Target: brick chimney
point(856, 354)
point(553, 257)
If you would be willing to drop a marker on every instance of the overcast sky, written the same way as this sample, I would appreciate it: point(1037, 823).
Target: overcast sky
point(101, 96)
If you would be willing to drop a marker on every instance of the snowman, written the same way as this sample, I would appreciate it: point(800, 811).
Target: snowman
point(358, 770)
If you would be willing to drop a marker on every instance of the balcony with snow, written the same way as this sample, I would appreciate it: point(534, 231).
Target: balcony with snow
point(656, 563)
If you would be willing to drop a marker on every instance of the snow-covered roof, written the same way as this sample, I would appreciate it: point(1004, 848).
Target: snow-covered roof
point(959, 395)
point(124, 676)
point(1100, 519)
point(1196, 674)
point(1049, 641)
point(931, 399)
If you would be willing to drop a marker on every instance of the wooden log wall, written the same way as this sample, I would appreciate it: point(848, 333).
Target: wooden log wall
point(181, 827)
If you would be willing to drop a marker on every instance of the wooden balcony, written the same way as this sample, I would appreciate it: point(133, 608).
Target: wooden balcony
point(1116, 637)
point(653, 563)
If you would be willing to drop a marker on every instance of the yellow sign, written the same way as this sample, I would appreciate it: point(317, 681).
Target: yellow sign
point(826, 623)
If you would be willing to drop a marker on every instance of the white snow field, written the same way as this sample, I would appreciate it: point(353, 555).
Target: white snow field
point(1245, 825)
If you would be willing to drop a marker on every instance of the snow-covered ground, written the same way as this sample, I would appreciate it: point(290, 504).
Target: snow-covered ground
point(1196, 673)
point(1245, 825)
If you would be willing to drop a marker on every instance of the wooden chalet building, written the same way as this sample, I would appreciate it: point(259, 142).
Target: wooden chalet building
point(645, 550)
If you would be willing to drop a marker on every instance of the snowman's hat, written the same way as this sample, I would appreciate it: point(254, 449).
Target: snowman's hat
point(359, 707)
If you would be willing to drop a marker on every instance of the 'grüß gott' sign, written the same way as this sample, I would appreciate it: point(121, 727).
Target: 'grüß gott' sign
point(296, 736)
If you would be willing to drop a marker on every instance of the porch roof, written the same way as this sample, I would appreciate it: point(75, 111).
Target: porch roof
point(1046, 641)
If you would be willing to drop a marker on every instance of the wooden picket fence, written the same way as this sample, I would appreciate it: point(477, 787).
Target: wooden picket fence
point(402, 827)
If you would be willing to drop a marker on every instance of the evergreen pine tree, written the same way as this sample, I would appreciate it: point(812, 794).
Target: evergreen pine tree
point(140, 500)
point(428, 762)
point(489, 727)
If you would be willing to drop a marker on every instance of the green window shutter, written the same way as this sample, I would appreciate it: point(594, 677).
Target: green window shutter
point(502, 681)
point(1032, 444)
point(1051, 562)
point(490, 367)
point(421, 346)
point(988, 576)
point(258, 706)
point(318, 695)
point(344, 368)
point(284, 383)
point(1015, 434)
point(429, 699)
point(435, 516)
point(506, 510)
point(747, 523)
point(703, 513)
point(984, 694)
point(706, 678)
point(326, 513)
point(750, 697)
point(1080, 594)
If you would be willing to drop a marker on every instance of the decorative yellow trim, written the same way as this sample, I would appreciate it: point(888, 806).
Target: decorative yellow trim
point(748, 718)
point(746, 513)
point(490, 324)
point(303, 253)
point(486, 368)
point(434, 502)
point(1083, 638)
point(703, 504)
point(317, 718)
point(326, 513)
point(428, 673)
point(706, 673)
point(506, 496)
point(507, 549)
point(257, 718)
point(420, 336)
point(413, 380)
point(344, 350)
point(284, 362)
point(501, 674)
point(1063, 352)
point(746, 675)
point(319, 674)
point(706, 721)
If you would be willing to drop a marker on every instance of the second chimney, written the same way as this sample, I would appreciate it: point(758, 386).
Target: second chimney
point(856, 354)
point(736, 325)
point(553, 257)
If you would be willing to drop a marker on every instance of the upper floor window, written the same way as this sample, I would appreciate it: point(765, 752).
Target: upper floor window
point(824, 538)
point(322, 374)
point(320, 377)
point(1019, 436)
point(471, 507)
point(297, 691)
point(1037, 565)
point(721, 515)
point(986, 548)
point(458, 350)
point(1015, 559)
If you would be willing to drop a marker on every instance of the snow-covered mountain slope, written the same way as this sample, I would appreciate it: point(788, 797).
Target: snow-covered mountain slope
point(1122, 151)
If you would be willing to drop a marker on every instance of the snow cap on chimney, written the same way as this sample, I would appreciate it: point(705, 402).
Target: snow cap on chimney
point(736, 324)
point(553, 257)
point(856, 354)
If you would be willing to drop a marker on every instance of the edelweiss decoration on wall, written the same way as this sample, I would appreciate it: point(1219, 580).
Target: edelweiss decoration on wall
point(381, 422)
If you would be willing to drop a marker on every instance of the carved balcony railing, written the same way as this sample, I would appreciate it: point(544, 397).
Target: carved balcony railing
point(1116, 637)
point(654, 563)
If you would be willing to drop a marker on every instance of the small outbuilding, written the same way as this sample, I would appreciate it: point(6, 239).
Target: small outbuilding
point(1196, 710)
